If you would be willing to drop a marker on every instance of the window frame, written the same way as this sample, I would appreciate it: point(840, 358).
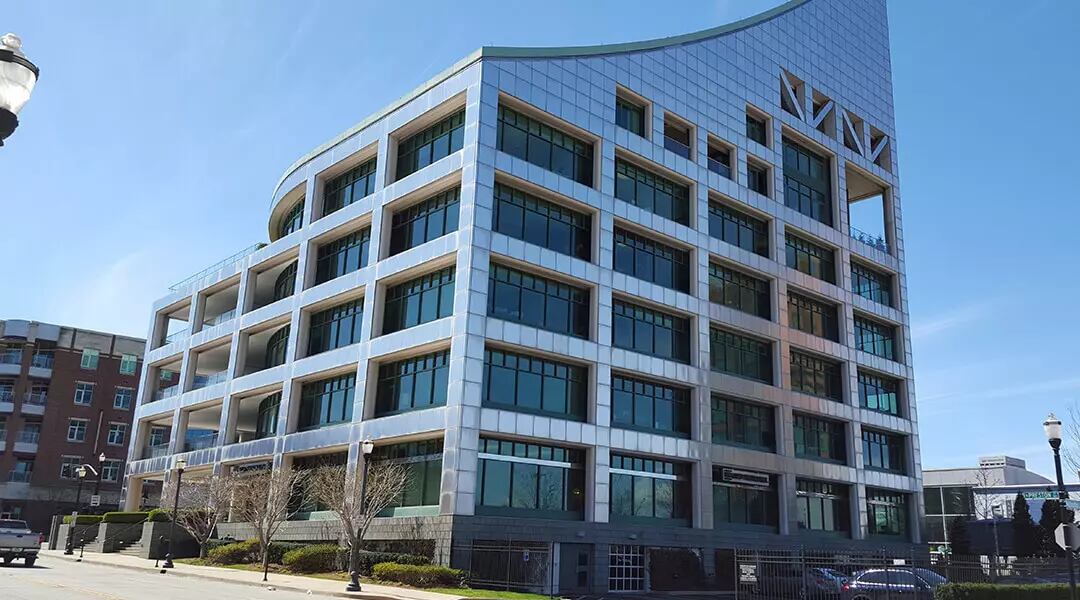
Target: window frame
point(641, 316)
point(884, 451)
point(765, 359)
point(800, 185)
point(130, 360)
point(759, 177)
point(73, 426)
point(323, 391)
point(633, 102)
point(680, 194)
point(876, 338)
point(678, 146)
point(390, 382)
point(118, 429)
point(582, 150)
point(85, 391)
point(451, 125)
point(724, 168)
point(293, 219)
point(650, 249)
point(744, 284)
point(405, 220)
point(827, 435)
point(333, 263)
point(827, 379)
point(823, 321)
point(91, 357)
point(766, 417)
point(745, 225)
point(437, 286)
point(656, 394)
point(515, 455)
point(509, 197)
point(768, 497)
point(505, 280)
point(872, 284)
point(130, 397)
point(757, 120)
point(339, 191)
point(575, 382)
point(645, 471)
point(819, 258)
point(837, 496)
point(868, 379)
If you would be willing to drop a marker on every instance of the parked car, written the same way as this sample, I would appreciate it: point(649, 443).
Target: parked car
point(782, 581)
point(823, 582)
point(17, 541)
point(892, 583)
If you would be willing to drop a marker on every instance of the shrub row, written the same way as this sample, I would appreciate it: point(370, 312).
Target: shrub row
point(990, 591)
point(419, 575)
point(235, 553)
point(124, 517)
point(83, 519)
point(156, 515)
point(322, 558)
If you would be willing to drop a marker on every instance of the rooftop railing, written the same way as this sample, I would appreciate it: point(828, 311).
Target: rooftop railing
point(217, 266)
point(872, 240)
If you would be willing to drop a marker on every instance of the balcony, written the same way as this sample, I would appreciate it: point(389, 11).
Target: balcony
point(27, 442)
point(34, 403)
point(874, 241)
point(168, 392)
point(11, 356)
point(677, 147)
point(200, 440)
point(219, 319)
point(157, 450)
point(176, 336)
point(221, 264)
point(210, 379)
point(7, 401)
point(42, 360)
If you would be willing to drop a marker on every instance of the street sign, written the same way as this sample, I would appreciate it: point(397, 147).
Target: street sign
point(747, 573)
point(525, 556)
point(1067, 536)
point(95, 500)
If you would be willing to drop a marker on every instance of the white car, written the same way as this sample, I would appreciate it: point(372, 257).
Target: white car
point(17, 541)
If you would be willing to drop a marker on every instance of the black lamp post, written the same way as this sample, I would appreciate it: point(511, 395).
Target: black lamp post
point(180, 464)
point(1052, 427)
point(367, 446)
point(17, 79)
point(81, 472)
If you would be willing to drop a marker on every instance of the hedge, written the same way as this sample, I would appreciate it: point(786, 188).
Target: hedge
point(366, 560)
point(418, 575)
point(158, 515)
point(83, 519)
point(235, 553)
point(990, 591)
point(124, 517)
point(278, 550)
point(318, 558)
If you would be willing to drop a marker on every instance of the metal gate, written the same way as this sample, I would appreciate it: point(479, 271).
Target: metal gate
point(507, 564)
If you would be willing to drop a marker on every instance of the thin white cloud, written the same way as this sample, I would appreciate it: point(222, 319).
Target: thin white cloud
point(1031, 388)
point(923, 329)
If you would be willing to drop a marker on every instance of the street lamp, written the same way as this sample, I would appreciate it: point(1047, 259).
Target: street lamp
point(366, 446)
point(81, 472)
point(101, 472)
point(17, 78)
point(1052, 427)
point(180, 464)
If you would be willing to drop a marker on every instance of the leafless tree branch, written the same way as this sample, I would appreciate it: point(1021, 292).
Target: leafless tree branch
point(203, 502)
point(262, 498)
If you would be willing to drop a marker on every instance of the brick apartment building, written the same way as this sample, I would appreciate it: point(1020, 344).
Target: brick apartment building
point(66, 399)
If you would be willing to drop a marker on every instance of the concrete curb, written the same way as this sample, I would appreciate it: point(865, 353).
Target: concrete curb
point(258, 584)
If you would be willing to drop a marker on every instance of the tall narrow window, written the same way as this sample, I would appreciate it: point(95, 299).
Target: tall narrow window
point(527, 383)
point(883, 451)
point(545, 146)
point(738, 229)
point(326, 402)
point(650, 406)
point(431, 144)
point(740, 355)
point(810, 258)
point(648, 490)
point(285, 284)
point(267, 418)
point(871, 284)
point(276, 347)
point(90, 359)
point(757, 177)
point(424, 221)
point(420, 300)
point(293, 220)
point(886, 513)
point(820, 439)
point(677, 136)
point(422, 461)
point(349, 187)
point(757, 128)
point(822, 507)
point(530, 480)
point(807, 186)
point(344, 255)
point(744, 499)
point(719, 160)
point(738, 423)
point(336, 327)
point(812, 316)
point(654, 193)
point(539, 302)
point(128, 364)
point(875, 337)
point(816, 376)
point(526, 217)
point(645, 258)
point(630, 115)
point(414, 383)
point(880, 393)
point(651, 332)
point(84, 393)
point(740, 291)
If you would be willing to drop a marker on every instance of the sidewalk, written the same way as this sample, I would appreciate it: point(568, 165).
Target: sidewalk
point(294, 583)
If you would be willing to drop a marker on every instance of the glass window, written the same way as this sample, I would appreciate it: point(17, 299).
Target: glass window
point(335, 327)
point(645, 488)
point(958, 500)
point(819, 439)
point(123, 397)
point(526, 217)
point(326, 402)
point(883, 451)
point(807, 186)
point(810, 258)
point(816, 376)
point(344, 255)
point(432, 144)
point(822, 506)
point(743, 499)
point(69, 467)
point(420, 300)
point(757, 129)
point(654, 193)
point(521, 382)
point(738, 229)
point(545, 146)
point(285, 284)
point(267, 418)
point(22, 471)
point(735, 289)
point(738, 423)
point(537, 301)
point(31, 432)
point(117, 434)
point(871, 284)
point(812, 316)
point(677, 137)
point(110, 470)
point(739, 355)
point(886, 512)
point(644, 258)
point(519, 478)
point(292, 220)
point(650, 406)
point(424, 221)
point(719, 159)
point(875, 337)
point(276, 347)
point(76, 430)
point(128, 364)
point(349, 187)
point(630, 116)
point(89, 360)
point(423, 472)
point(879, 393)
point(757, 178)
point(414, 383)
point(84, 393)
point(652, 332)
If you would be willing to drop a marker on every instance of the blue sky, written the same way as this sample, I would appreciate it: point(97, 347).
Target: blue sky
point(153, 142)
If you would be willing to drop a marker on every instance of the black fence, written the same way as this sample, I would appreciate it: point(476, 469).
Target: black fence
point(507, 565)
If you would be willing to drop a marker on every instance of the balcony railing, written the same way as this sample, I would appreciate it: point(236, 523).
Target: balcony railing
point(29, 437)
point(168, 392)
point(7, 396)
point(202, 381)
point(42, 360)
point(718, 167)
point(10, 357)
point(677, 147)
point(35, 398)
point(200, 441)
point(157, 450)
point(20, 476)
point(217, 266)
point(874, 241)
point(177, 335)
point(219, 319)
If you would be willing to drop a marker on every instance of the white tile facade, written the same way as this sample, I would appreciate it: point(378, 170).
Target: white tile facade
point(837, 47)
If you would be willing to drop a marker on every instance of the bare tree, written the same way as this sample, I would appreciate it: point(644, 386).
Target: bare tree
point(204, 501)
point(984, 503)
point(356, 502)
point(1070, 450)
point(262, 498)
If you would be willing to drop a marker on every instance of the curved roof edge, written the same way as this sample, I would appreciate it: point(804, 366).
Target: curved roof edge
point(535, 52)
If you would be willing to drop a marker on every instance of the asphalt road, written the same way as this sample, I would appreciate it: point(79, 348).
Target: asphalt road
point(56, 579)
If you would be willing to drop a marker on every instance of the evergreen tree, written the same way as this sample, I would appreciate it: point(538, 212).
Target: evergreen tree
point(1025, 533)
point(1048, 524)
point(959, 540)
